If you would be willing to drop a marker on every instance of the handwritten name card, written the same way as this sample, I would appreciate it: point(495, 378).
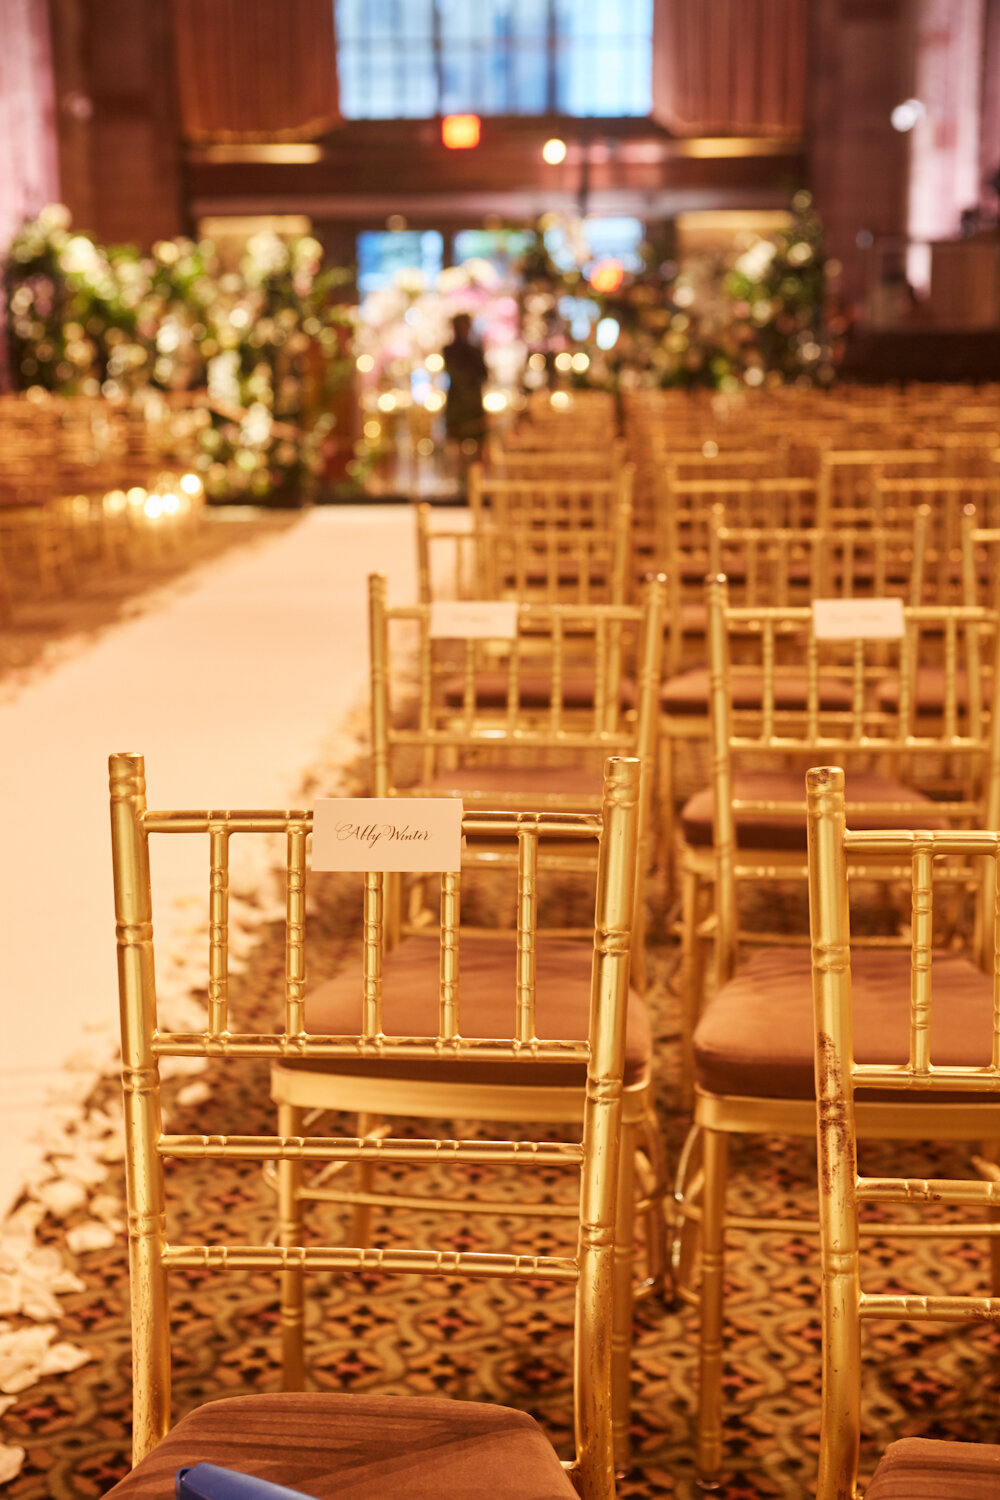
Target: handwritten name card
point(387, 833)
point(474, 619)
point(858, 619)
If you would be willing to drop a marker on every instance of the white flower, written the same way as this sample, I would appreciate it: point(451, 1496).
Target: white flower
point(754, 263)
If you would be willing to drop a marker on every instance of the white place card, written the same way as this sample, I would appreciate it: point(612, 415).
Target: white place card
point(474, 619)
point(858, 619)
point(387, 833)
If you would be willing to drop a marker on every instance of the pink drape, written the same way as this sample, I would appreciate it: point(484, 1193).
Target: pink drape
point(730, 67)
point(29, 162)
point(255, 69)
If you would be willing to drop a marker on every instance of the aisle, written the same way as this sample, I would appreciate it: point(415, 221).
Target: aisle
point(232, 685)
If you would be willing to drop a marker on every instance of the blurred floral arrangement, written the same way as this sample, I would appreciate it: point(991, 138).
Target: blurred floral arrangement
point(751, 318)
point(244, 361)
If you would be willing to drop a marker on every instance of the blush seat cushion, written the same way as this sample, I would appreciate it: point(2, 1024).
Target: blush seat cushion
point(930, 1469)
point(773, 830)
point(486, 969)
point(688, 693)
point(929, 690)
point(343, 1447)
point(534, 690)
point(756, 1034)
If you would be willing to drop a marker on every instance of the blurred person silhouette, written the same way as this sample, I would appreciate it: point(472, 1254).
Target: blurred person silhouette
point(464, 419)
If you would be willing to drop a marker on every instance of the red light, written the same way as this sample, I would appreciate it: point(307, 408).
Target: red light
point(607, 275)
point(460, 132)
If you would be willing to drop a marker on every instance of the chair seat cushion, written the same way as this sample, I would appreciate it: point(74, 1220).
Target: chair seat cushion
point(688, 693)
point(929, 1469)
point(929, 690)
point(693, 619)
point(578, 788)
point(776, 830)
point(341, 1447)
point(756, 1034)
point(535, 690)
point(486, 967)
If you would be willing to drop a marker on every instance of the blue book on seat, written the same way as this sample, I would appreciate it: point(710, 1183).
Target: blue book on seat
point(209, 1482)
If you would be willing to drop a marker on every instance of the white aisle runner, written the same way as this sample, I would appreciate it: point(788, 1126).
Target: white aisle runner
point(231, 685)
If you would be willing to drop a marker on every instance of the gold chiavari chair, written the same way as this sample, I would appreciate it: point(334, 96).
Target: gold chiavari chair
point(962, 569)
point(342, 1444)
point(547, 565)
point(555, 501)
point(780, 566)
point(682, 546)
point(751, 1045)
point(949, 1074)
point(945, 499)
point(673, 489)
point(519, 738)
point(500, 717)
point(848, 478)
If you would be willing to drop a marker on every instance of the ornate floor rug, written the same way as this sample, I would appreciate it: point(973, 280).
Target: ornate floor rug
point(491, 1341)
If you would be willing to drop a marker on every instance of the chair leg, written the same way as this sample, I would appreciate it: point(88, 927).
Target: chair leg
point(361, 1214)
point(668, 812)
point(621, 1328)
point(289, 1237)
point(685, 1239)
point(650, 1142)
point(709, 1457)
point(691, 978)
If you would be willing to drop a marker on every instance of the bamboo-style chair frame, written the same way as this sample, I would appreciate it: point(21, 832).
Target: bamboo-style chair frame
point(148, 1147)
point(783, 567)
point(973, 739)
point(549, 565)
point(444, 729)
point(555, 501)
point(846, 1305)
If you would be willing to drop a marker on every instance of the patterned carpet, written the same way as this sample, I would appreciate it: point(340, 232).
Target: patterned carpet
point(492, 1341)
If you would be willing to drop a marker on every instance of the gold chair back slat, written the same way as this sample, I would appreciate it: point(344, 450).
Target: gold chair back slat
point(451, 910)
point(295, 926)
point(218, 916)
point(371, 964)
point(527, 917)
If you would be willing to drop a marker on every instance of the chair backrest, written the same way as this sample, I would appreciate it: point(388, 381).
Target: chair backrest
point(842, 1191)
point(554, 501)
point(550, 564)
point(847, 715)
point(782, 565)
point(149, 1147)
point(437, 697)
point(847, 479)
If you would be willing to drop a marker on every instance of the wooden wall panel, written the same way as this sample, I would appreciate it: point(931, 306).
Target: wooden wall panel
point(119, 146)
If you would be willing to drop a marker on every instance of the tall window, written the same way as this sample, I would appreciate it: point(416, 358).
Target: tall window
point(418, 58)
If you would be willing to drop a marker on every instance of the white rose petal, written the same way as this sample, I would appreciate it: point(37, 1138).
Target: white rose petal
point(90, 1236)
point(11, 1461)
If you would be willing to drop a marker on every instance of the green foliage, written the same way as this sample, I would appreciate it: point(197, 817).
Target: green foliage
point(268, 340)
point(752, 318)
